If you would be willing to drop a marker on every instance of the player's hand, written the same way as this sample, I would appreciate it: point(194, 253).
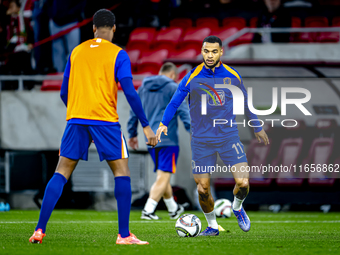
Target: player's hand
point(133, 142)
point(262, 135)
point(160, 130)
point(150, 135)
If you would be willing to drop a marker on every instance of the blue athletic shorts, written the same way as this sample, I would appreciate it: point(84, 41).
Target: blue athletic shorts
point(109, 140)
point(165, 158)
point(204, 155)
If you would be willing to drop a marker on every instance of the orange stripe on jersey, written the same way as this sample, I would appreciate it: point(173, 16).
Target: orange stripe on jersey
point(195, 73)
point(232, 71)
point(173, 163)
point(92, 89)
point(122, 142)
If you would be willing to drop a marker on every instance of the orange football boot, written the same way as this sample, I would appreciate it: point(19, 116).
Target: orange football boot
point(37, 236)
point(132, 239)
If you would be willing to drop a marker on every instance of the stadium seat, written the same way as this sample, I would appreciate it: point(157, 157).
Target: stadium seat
point(140, 38)
point(183, 23)
point(134, 56)
point(167, 38)
point(237, 22)
point(257, 155)
point(288, 156)
point(183, 54)
point(210, 22)
point(296, 22)
point(244, 39)
point(319, 155)
point(316, 22)
point(51, 85)
point(336, 22)
point(152, 61)
point(321, 152)
point(224, 33)
point(331, 36)
point(253, 22)
point(193, 38)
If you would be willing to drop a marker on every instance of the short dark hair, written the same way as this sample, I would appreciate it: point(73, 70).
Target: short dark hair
point(104, 18)
point(168, 67)
point(212, 39)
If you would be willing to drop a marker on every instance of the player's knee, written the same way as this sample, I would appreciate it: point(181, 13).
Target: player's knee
point(242, 183)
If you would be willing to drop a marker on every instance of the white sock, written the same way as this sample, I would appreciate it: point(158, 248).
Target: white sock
point(170, 204)
point(211, 219)
point(237, 204)
point(150, 205)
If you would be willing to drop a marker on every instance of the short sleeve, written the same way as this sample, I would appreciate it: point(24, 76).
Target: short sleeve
point(123, 66)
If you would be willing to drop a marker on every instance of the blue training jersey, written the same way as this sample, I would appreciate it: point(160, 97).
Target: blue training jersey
point(211, 107)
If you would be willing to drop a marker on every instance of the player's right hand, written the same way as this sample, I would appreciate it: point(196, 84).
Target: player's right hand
point(150, 135)
point(160, 130)
point(133, 142)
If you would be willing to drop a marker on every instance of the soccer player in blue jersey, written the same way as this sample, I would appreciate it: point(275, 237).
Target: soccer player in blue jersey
point(89, 91)
point(155, 94)
point(211, 104)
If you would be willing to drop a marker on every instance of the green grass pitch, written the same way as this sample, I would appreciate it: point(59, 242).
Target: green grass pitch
point(89, 232)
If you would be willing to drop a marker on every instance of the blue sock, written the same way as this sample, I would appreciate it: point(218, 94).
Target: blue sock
point(123, 196)
point(52, 194)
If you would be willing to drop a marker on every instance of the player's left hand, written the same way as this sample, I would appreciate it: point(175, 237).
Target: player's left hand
point(262, 135)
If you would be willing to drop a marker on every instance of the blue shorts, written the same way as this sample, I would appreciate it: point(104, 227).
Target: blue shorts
point(165, 158)
point(204, 155)
point(109, 140)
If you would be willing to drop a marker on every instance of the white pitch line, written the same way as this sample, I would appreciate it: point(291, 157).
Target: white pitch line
point(164, 221)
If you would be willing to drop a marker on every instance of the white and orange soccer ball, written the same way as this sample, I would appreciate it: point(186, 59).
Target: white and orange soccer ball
point(188, 225)
point(222, 208)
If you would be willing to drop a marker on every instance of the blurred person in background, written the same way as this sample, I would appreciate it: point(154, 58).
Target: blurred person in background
point(63, 15)
point(273, 15)
point(42, 53)
point(155, 94)
point(19, 38)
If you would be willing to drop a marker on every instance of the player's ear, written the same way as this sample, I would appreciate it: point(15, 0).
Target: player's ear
point(114, 28)
point(94, 29)
point(221, 51)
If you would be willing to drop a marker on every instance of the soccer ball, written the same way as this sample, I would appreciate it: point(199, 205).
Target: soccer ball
point(188, 225)
point(222, 208)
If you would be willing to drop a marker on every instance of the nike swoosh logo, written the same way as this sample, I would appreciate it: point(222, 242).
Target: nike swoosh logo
point(240, 157)
point(93, 46)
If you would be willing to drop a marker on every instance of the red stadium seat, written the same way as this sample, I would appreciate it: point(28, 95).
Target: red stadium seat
point(318, 156)
point(134, 56)
point(167, 38)
point(183, 54)
point(315, 22)
point(152, 61)
point(183, 23)
point(141, 38)
point(331, 36)
point(237, 22)
point(193, 38)
point(225, 33)
point(244, 39)
point(210, 22)
point(336, 22)
point(253, 22)
point(257, 155)
point(51, 85)
point(288, 156)
point(296, 22)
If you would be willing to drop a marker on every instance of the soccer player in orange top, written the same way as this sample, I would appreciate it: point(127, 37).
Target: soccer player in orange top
point(89, 91)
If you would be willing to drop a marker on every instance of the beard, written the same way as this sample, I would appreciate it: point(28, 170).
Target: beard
point(213, 65)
